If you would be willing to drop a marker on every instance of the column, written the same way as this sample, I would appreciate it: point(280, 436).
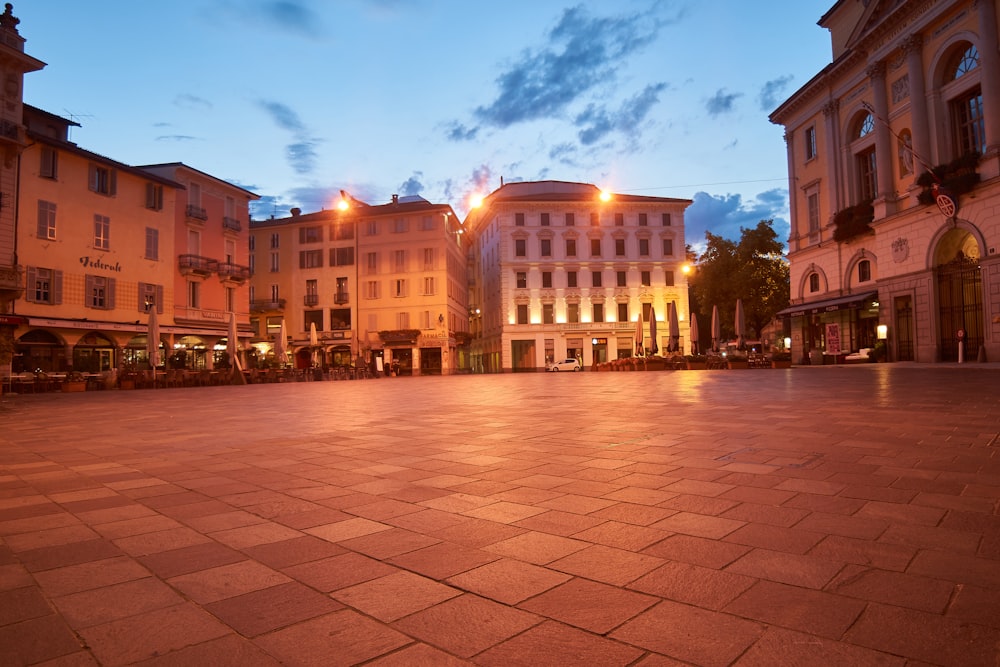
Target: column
point(831, 148)
point(912, 46)
point(989, 56)
point(883, 138)
point(793, 194)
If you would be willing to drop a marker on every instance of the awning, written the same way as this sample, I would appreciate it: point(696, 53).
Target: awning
point(851, 301)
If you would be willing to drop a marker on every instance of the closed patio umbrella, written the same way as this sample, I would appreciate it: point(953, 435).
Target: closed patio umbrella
point(653, 347)
point(638, 335)
point(741, 343)
point(153, 341)
point(281, 345)
point(233, 349)
point(313, 342)
point(674, 328)
point(694, 334)
point(716, 329)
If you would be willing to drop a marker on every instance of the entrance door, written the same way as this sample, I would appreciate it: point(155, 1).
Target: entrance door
point(430, 361)
point(904, 328)
point(522, 355)
point(960, 294)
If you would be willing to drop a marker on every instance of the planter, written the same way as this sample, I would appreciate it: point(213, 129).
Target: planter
point(656, 364)
point(75, 385)
point(781, 364)
point(736, 365)
point(697, 366)
point(126, 384)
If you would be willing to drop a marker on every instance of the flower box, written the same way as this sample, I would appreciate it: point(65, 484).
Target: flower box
point(74, 385)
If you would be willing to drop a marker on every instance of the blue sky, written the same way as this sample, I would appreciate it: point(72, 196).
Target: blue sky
point(298, 99)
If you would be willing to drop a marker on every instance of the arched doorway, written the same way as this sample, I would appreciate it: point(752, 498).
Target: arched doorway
point(39, 349)
point(190, 352)
point(93, 354)
point(960, 293)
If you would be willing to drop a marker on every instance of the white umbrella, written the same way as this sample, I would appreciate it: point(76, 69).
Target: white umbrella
point(695, 344)
point(153, 341)
point(638, 335)
point(674, 328)
point(740, 327)
point(281, 345)
point(233, 349)
point(313, 341)
point(653, 347)
point(716, 329)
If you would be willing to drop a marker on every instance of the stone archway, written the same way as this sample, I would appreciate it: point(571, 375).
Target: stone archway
point(959, 294)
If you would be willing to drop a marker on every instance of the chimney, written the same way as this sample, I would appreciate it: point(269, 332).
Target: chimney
point(395, 200)
point(295, 212)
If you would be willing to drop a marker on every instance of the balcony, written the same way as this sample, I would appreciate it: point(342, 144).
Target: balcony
point(193, 212)
point(11, 132)
point(261, 306)
point(196, 265)
point(11, 282)
point(231, 224)
point(340, 298)
point(311, 300)
point(233, 273)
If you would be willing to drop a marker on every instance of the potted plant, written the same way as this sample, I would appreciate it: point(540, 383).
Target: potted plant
point(737, 360)
point(74, 381)
point(696, 362)
point(781, 360)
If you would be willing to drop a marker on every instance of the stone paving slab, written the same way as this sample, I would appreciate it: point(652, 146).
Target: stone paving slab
point(813, 516)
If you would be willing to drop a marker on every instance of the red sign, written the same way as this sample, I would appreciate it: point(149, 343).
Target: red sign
point(12, 319)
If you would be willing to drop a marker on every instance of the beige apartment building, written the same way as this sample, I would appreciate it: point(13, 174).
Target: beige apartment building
point(383, 285)
point(894, 180)
point(562, 270)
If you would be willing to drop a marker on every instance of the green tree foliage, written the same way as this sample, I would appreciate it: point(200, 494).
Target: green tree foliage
point(754, 269)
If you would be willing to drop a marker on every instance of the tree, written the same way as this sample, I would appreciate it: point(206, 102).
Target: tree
point(755, 270)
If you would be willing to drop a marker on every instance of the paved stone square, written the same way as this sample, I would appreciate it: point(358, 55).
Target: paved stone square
point(812, 516)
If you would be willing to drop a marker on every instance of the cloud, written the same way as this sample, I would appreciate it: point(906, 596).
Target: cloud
point(583, 53)
point(726, 215)
point(721, 102)
point(293, 16)
point(189, 101)
point(177, 137)
point(456, 131)
point(301, 153)
point(412, 185)
point(597, 122)
point(771, 93)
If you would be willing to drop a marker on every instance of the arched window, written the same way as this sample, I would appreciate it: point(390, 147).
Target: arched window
point(966, 107)
point(813, 282)
point(864, 271)
point(864, 159)
point(865, 126)
point(965, 63)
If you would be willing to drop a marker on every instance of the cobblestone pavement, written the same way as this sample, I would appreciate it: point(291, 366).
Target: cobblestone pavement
point(812, 516)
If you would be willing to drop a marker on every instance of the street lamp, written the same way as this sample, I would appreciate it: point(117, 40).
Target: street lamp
point(882, 333)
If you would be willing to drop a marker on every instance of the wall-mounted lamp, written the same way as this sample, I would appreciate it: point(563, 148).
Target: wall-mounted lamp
point(440, 318)
point(882, 331)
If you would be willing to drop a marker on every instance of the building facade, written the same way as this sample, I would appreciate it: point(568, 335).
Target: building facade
point(894, 181)
point(383, 285)
point(561, 270)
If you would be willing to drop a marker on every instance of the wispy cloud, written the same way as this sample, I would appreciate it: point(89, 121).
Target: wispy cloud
point(772, 92)
point(596, 121)
point(301, 153)
point(189, 101)
point(722, 102)
point(177, 137)
point(292, 16)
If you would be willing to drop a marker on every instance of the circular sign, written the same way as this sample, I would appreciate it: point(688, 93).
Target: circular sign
point(961, 334)
point(946, 204)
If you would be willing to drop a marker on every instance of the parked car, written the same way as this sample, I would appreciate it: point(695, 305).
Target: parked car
point(564, 365)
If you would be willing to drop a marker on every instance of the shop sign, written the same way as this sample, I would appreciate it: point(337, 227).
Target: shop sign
point(12, 319)
point(91, 263)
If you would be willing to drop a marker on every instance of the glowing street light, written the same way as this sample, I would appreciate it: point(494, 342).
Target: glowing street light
point(605, 195)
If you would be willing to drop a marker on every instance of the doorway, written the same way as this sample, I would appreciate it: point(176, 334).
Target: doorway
point(960, 294)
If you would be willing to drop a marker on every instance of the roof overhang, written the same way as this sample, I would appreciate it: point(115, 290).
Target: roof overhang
point(852, 301)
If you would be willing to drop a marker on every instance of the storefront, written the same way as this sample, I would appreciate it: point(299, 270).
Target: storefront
point(825, 331)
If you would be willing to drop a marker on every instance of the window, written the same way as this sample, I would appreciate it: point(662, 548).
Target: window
point(548, 313)
point(623, 312)
point(402, 320)
point(595, 278)
point(666, 220)
point(252, 241)
point(310, 259)
point(342, 295)
point(275, 240)
point(100, 292)
point(546, 248)
point(194, 293)
point(864, 271)
point(571, 247)
point(400, 226)
point(643, 220)
point(102, 180)
point(595, 247)
point(521, 279)
point(425, 320)
point(46, 220)
point(399, 260)
point(342, 231)
point(371, 263)
point(595, 220)
point(598, 312)
point(668, 278)
point(154, 196)
point(619, 219)
point(49, 167)
point(668, 247)
point(310, 234)
point(310, 317)
point(813, 282)
point(399, 287)
point(644, 247)
point(545, 220)
point(150, 296)
point(428, 259)
point(342, 256)
point(522, 313)
point(619, 247)
point(274, 263)
point(570, 219)
point(520, 249)
point(427, 223)
point(340, 318)
point(312, 288)
point(571, 279)
point(274, 294)
point(43, 285)
point(102, 232)
point(519, 219)
point(621, 278)
point(867, 179)
point(969, 123)
point(429, 286)
point(152, 243)
point(573, 312)
point(812, 206)
point(252, 264)
point(372, 289)
point(371, 228)
point(810, 143)
point(546, 279)
point(645, 278)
